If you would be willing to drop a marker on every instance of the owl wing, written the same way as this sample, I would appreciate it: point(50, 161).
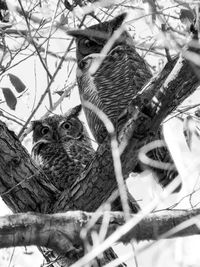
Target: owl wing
point(118, 79)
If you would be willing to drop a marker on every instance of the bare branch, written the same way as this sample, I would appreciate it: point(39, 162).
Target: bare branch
point(59, 231)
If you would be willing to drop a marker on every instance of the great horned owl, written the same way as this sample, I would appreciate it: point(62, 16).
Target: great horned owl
point(121, 75)
point(61, 147)
point(117, 80)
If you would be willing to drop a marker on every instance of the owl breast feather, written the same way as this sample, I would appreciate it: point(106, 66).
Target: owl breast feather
point(119, 78)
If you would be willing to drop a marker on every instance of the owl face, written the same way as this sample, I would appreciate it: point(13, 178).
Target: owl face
point(91, 40)
point(56, 128)
point(61, 147)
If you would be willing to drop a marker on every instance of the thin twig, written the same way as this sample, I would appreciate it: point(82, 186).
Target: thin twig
point(48, 86)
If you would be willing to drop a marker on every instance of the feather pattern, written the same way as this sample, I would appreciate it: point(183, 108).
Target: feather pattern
point(117, 80)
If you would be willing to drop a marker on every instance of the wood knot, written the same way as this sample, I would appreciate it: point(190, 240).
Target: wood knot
point(15, 162)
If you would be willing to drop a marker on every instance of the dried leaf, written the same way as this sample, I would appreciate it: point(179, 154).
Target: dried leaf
point(17, 83)
point(61, 92)
point(63, 19)
point(187, 15)
point(10, 98)
point(68, 5)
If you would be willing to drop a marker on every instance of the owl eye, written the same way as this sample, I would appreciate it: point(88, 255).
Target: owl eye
point(44, 130)
point(88, 46)
point(66, 125)
point(88, 43)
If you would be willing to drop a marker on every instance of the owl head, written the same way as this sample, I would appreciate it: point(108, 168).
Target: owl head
point(58, 128)
point(92, 39)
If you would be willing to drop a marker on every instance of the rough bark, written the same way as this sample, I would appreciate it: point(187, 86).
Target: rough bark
point(58, 231)
point(23, 186)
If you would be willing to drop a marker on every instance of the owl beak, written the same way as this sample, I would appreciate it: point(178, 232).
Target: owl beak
point(56, 136)
point(83, 63)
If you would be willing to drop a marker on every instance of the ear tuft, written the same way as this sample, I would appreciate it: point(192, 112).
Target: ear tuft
point(117, 21)
point(75, 111)
point(75, 33)
point(96, 29)
point(33, 124)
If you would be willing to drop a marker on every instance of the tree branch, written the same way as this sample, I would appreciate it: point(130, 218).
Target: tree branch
point(59, 231)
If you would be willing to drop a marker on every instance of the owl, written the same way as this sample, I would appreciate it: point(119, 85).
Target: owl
point(120, 76)
point(62, 147)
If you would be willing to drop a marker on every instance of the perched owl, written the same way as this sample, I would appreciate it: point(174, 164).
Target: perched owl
point(121, 75)
point(61, 147)
point(117, 80)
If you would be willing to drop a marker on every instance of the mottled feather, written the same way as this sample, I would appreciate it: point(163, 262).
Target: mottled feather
point(62, 148)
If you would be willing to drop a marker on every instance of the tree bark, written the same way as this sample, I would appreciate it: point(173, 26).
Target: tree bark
point(23, 186)
point(59, 231)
